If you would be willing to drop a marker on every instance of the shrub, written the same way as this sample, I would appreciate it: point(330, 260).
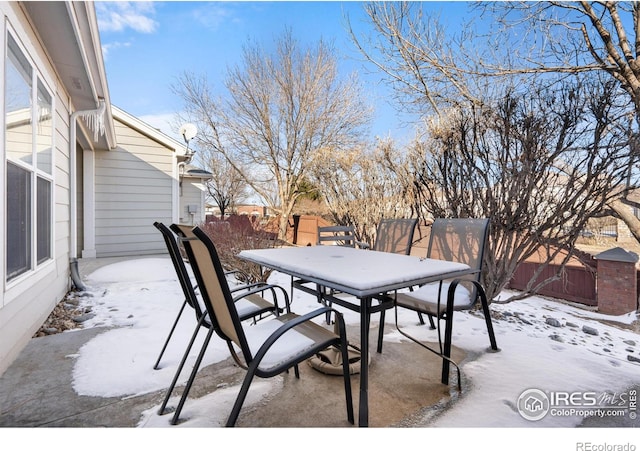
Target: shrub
point(235, 234)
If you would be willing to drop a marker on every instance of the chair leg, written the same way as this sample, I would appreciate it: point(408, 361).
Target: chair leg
point(487, 317)
point(291, 289)
point(321, 299)
point(432, 325)
point(448, 330)
point(381, 331)
point(235, 411)
point(196, 367)
point(449, 326)
point(344, 345)
point(447, 347)
point(180, 366)
point(173, 328)
point(328, 314)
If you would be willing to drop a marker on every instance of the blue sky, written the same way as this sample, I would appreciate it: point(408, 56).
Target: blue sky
point(148, 45)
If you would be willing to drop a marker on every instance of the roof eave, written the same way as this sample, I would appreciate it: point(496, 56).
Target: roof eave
point(70, 37)
point(150, 132)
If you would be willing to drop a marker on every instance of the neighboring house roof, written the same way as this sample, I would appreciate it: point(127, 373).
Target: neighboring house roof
point(162, 139)
point(149, 131)
point(69, 34)
point(194, 172)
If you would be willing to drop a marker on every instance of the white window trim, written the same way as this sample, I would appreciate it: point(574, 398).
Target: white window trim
point(14, 287)
point(3, 166)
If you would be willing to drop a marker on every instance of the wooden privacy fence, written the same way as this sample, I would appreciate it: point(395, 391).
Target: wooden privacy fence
point(578, 283)
point(608, 280)
point(303, 230)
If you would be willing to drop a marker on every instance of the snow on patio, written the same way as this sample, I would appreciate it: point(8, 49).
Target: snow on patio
point(546, 345)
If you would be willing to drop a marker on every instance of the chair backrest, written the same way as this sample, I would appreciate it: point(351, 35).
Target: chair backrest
point(337, 235)
point(214, 288)
point(395, 235)
point(461, 240)
point(180, 267)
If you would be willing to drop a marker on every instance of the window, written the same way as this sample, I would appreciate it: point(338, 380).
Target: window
point(29, 168)
point(18, 221)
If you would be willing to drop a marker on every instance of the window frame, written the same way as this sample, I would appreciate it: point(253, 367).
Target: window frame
point(37, 175)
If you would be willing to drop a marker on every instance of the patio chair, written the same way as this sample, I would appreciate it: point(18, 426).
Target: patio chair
point(331, 235)
point(188, 289)
point(337, 235)
point(269, 347)
point(394, 235)
point(459, 240)
point(252, 306)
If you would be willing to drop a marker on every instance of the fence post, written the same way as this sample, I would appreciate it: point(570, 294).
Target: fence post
point(617, 286)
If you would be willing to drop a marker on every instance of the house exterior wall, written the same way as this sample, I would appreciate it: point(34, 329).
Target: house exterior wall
point(28, 299)
point(192, 194)
point(134, 187)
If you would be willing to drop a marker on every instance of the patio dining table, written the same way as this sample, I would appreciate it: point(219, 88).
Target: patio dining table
point(363, 274)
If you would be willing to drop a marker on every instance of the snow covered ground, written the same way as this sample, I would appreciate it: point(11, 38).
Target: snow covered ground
point(551, 352)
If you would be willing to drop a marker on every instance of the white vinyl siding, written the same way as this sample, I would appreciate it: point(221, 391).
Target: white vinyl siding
point(27, 301)
point(133, 188)
point(192, 194)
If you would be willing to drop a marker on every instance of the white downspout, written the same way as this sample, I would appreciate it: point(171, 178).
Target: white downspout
point(96, 121)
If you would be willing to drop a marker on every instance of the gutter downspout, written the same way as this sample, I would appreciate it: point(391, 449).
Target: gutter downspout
point(96, 121)
point(181, 169)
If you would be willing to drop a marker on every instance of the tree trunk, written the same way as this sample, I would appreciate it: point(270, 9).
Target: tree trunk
point(283, 226)
point(626, 215)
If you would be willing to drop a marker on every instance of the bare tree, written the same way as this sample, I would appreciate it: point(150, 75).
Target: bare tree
point(362, 186)
point(281, 109)
point(576, 37)
point(433, 70)
point(227, 187)
point(458, 80)
point(539, 164)
point(428, 66)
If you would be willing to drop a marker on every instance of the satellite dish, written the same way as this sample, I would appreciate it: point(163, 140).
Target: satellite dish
point(188, 132)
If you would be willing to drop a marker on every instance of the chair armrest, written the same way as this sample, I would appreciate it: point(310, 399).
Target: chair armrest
point(290, 325)
point(261, 288)
point(249, 286)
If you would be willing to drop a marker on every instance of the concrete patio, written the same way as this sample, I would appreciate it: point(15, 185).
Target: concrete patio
point(404, 391)
point(37, 390)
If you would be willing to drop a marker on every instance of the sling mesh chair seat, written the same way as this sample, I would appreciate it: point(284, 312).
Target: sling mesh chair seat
point(394, 236)
point(249, 302)
point(271, 346)
point(458, 240)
